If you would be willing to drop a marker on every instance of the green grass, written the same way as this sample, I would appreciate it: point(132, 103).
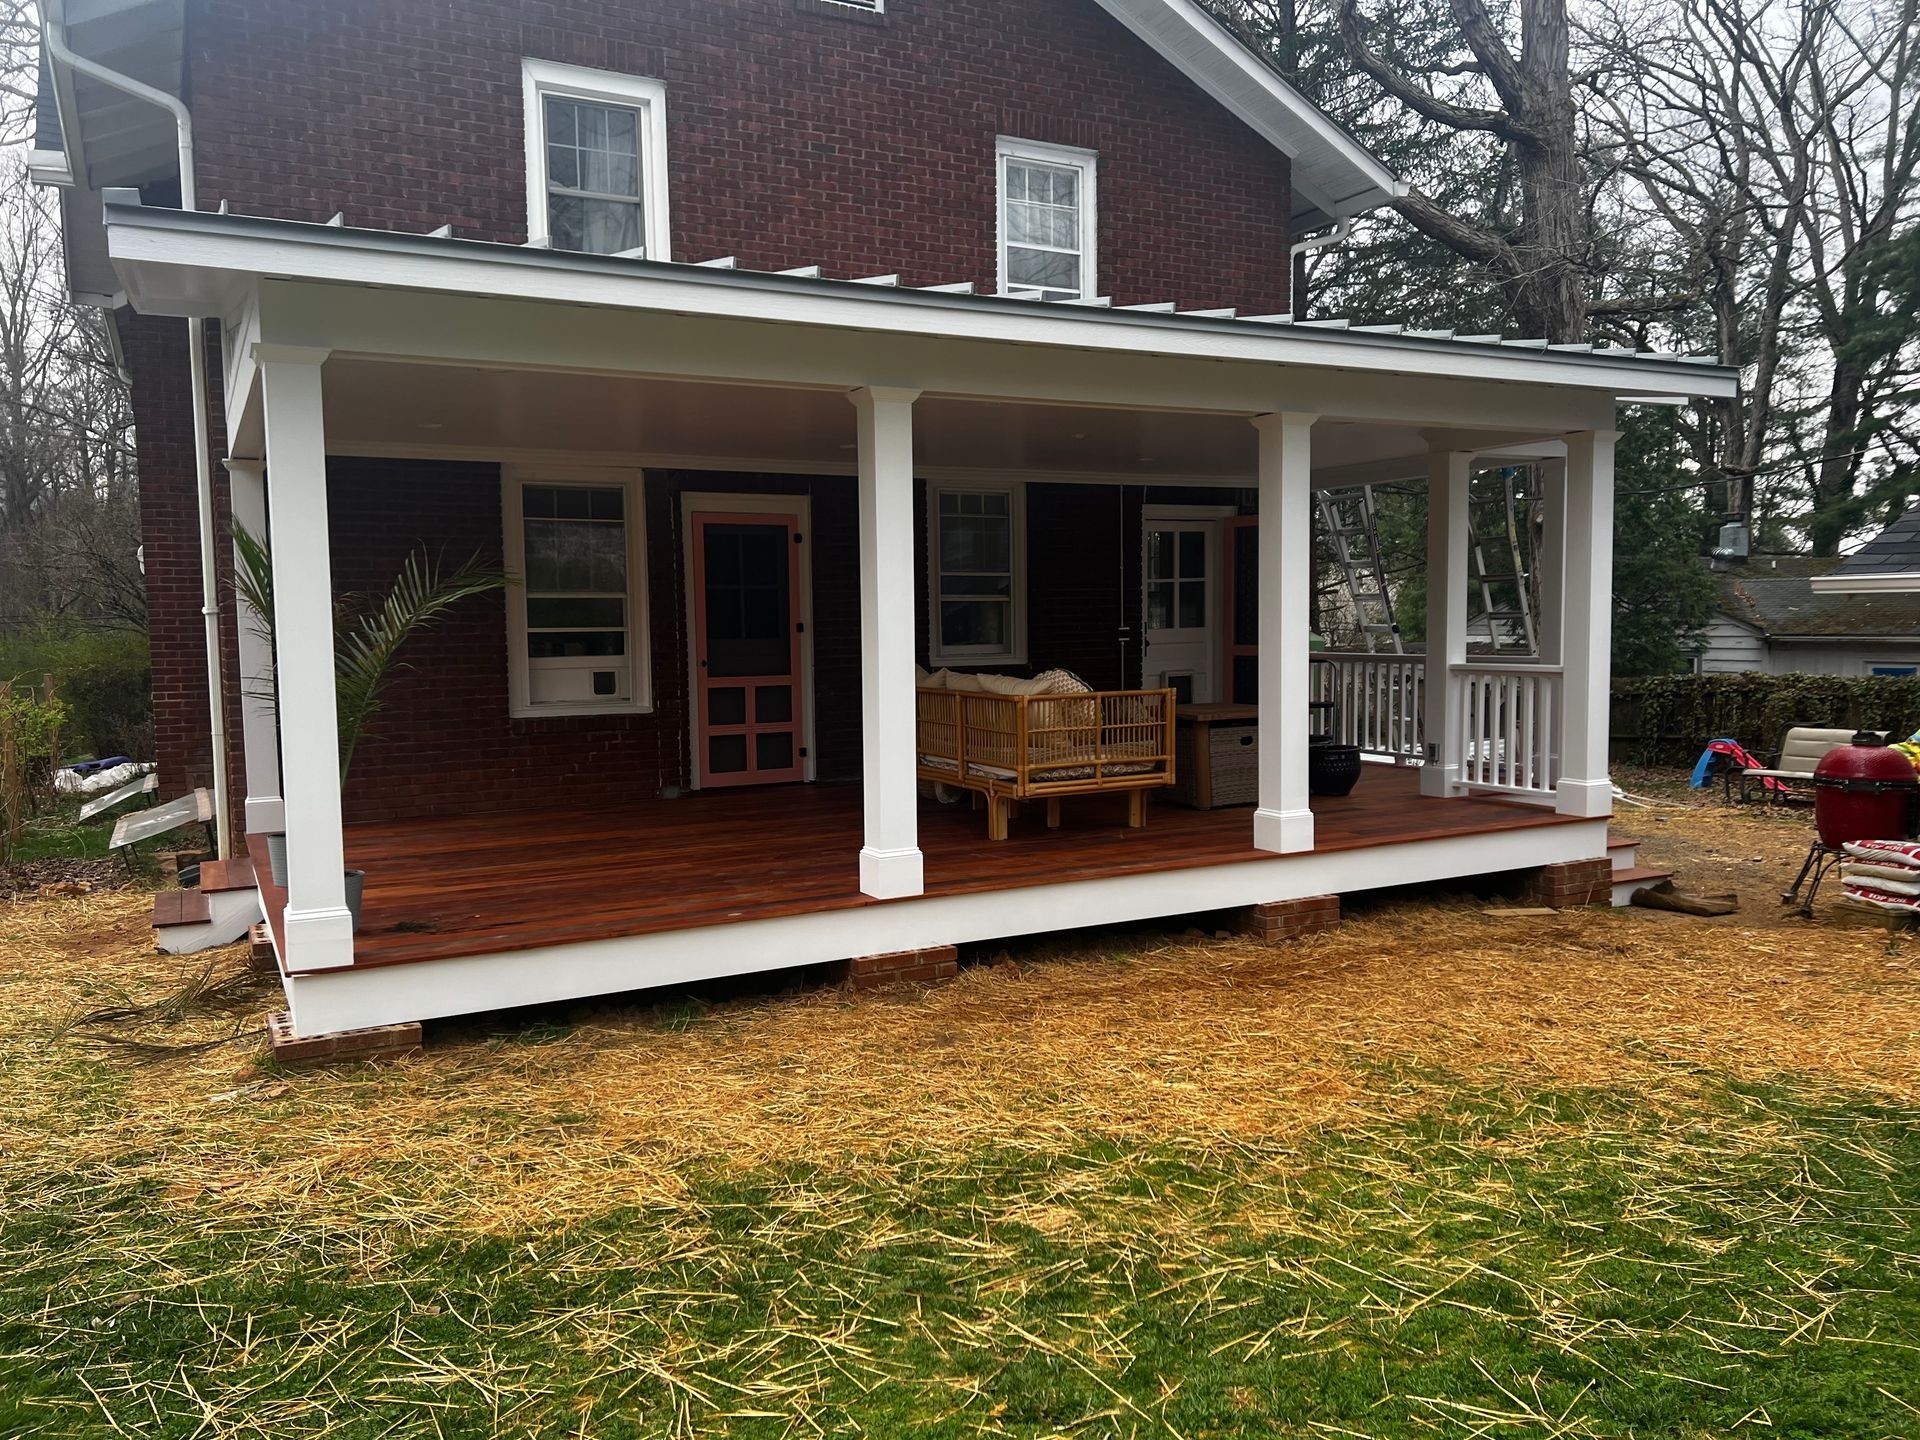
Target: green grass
point(1519, 1263)
point(57, 835)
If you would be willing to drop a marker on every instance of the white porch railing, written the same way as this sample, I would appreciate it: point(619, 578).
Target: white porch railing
point(1506, 738)
point(1378, 701)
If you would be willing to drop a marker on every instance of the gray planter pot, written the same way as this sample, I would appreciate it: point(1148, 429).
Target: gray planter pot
point(356, 887)
point(277, 859)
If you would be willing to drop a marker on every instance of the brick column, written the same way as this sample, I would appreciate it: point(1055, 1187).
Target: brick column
point(1572, 884)
point(1277, 920)
point(869, 972)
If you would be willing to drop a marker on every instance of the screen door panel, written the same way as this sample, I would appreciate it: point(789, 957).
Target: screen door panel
point(747, 649)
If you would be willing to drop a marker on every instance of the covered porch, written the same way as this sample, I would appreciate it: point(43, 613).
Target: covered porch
point(698, 392)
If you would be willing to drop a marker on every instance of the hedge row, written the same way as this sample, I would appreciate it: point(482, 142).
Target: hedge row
point(1667, 720)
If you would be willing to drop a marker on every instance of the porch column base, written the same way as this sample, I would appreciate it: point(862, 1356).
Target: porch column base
point(319, 939)
point(1439, 782)
point(1283, 832)
point(892, 874)
point(1589, 799)
point(266, 815)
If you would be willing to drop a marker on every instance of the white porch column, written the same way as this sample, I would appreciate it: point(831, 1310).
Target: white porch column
point(1587, 626)
point(266, 813)
point(1551, 562)
point(1283, 823)
point(319, 928)
point(890, 862)
point(1447, 480)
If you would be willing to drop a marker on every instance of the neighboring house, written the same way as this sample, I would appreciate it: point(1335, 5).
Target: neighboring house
point(1776, 616)
point(780, 346)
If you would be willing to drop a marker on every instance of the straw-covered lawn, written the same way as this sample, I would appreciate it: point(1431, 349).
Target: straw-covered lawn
point(1444, 1172)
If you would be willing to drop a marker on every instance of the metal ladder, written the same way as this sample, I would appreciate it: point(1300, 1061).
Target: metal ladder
point(1347, 519)
point(1504, 622)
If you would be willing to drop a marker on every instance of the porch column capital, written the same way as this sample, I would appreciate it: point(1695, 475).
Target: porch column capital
point(265, 352)
point(253, 469)
point(868, 395)
point(1282, 419)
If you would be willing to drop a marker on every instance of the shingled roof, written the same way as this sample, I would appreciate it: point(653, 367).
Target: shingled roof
point(1775, 594)
point(1895, 551)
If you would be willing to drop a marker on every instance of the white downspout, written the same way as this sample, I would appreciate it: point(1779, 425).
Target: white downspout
point(57, 47)
point(1341, 229)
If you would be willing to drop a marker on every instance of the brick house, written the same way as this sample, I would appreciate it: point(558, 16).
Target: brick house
point(795, 357)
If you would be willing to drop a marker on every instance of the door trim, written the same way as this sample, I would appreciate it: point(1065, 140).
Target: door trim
point(1215, 518)
point(800, 509)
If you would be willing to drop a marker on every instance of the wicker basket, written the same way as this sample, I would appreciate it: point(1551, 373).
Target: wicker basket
point(1224, 771)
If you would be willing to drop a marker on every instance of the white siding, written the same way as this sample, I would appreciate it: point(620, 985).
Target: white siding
point(1728, 647)
point(1841, 657)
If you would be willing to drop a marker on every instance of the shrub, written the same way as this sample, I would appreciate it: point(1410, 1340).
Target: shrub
point(104, 677)
point(1668, 719)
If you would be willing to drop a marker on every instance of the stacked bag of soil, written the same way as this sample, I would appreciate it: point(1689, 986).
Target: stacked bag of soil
point(1882, 873)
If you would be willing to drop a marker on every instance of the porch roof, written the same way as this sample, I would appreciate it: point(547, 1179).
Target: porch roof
point(202, 263)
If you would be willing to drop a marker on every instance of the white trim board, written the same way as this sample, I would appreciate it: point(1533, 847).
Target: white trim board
point(175, 262)
point(648, 98)
point(347, 998)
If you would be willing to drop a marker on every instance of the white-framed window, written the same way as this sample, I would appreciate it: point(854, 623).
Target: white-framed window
point(577, 612)
point(1049, 221)
point(977, 580)
point(596, 160)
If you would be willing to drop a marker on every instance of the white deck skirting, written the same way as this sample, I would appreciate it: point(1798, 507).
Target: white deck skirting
point(430, 989)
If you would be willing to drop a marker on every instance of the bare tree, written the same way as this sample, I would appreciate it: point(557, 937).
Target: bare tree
point(1533, 236)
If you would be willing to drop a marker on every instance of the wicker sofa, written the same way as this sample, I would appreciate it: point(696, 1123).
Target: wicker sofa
point(1010, 740)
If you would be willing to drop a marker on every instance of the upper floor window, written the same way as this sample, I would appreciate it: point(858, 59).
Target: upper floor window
point(596, 160)
point(1047, 221)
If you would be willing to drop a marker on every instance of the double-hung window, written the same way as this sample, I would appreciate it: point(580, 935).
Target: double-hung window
point(596, 160)
point(977, 582)
point(577, 617)
point(1048, 222)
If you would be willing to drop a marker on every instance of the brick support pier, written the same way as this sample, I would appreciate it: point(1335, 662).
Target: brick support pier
point(869, 972)
point(1276, 920)
point(1572, 884)
point(377, 1042)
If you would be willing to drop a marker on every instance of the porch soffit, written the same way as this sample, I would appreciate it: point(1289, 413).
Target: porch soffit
point(176, 262)
point(400, 409)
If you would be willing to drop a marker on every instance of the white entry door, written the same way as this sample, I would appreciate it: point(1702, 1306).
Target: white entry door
point(1182, 577)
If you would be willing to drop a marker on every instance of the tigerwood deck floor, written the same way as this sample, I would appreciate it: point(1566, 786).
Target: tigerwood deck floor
point(474, 885)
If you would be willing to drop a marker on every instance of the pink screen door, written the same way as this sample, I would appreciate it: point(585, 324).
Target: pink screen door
point(746, 627)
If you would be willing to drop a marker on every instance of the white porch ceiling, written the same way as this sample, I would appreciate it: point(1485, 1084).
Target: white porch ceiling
point(377, 407)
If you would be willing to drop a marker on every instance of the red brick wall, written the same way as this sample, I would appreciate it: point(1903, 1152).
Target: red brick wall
point(443, 742)
point(796, 136)
point(156, 351)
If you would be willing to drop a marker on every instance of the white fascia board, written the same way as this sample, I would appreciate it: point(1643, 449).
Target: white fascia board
point(1890, 583)
point(49, 167)
point(1342, 178)
point(195, 262)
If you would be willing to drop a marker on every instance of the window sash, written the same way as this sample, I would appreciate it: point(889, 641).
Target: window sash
point(1020, 163)
point(578, 147)
point(1002, 590)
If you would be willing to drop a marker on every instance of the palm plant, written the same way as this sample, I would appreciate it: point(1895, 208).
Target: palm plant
point(367, 638)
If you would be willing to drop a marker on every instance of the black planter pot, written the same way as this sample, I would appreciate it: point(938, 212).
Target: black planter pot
point(1332, 769)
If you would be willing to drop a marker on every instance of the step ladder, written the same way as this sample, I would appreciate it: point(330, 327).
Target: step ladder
point(1501, 506)
point(1350, 524)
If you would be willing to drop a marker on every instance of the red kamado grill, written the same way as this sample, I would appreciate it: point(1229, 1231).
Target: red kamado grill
point(1861, 791)
point(1864, 791)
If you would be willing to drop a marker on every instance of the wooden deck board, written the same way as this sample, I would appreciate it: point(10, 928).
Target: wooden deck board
point(470, 885)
